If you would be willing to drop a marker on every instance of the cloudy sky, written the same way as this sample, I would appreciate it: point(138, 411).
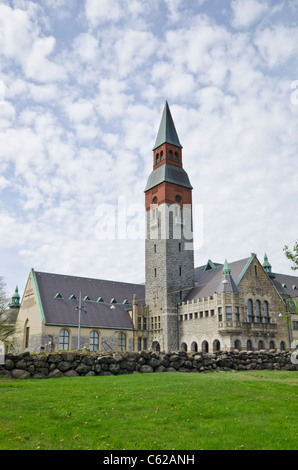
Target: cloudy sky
point(82, 88)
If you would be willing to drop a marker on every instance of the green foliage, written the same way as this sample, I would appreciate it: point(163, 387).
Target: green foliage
point(7, 328)
point(292, 255)
point(160, 411)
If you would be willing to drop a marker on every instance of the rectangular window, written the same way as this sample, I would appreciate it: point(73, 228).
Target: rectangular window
point(180, 271)
point(154, 247)
point(139, 323)
point(144, 323)
point(212, 313)
point(228, 317)
point(228, 309)
point(155, 272)
point(196, 315)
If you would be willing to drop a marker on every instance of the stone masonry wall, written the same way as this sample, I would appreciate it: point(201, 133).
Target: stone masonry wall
point(75, 364)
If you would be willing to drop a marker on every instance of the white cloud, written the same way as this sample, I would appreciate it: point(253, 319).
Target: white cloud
point(100, 11)
point(20, 40)
point(277, 44)
point(80, 110)
point(86, 46)
point(247, 12)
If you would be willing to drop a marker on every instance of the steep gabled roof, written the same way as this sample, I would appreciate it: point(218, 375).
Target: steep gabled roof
point(167, 131)
point(61, 310)
point(208, 281)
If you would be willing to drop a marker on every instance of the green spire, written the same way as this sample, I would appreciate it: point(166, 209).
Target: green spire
point(167, 131)
point(226, 268)
point(15, 300)
point(266, 265)
point(266, 262)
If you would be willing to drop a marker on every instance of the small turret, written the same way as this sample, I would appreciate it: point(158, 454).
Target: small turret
point(227, 283)
point(267, 267)
point(15, 300)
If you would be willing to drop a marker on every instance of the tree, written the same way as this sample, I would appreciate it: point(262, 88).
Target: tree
point(292, 255)
point(7, 317)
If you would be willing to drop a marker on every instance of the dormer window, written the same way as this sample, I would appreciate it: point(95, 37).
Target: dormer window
point(72, 297)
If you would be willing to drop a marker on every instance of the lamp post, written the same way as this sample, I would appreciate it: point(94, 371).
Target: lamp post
point(80, 308)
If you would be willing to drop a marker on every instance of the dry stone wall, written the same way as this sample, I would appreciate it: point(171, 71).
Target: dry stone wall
point(75, 364)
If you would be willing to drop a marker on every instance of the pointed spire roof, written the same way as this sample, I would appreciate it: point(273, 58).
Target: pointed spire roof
point(167, 131)
point(226, 268)
point(266, 262)
point(227, 283)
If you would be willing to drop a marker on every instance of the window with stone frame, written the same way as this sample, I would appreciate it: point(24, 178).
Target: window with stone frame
point(121, 341)
point(266, 311)
point(64, 340)
point(228, 313)
point(94, 341)
point(258, 312)
point(249, 311)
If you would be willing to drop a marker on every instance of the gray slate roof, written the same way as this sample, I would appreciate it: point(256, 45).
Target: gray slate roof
point(99, 315)
point(169, 173)
point(167, 131)
point(286, 284)
point(209, 281)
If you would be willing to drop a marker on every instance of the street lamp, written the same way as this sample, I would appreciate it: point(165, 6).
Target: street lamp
point(80, 308)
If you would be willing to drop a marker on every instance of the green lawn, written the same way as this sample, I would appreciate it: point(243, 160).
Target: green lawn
point(159, 411)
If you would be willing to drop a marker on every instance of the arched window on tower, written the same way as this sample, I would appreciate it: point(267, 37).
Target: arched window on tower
point(157, 158)
point(266, 311)
point(258, 311)
point(249, 311)
point(176, 157)
point(170, 155)
point(161, 156)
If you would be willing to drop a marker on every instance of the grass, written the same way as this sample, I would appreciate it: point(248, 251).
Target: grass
point(183, 411)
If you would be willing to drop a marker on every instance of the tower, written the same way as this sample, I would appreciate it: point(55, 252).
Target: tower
point(169, 237)
point(15, 300)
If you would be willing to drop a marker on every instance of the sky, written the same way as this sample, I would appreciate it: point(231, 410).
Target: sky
point(83, 84)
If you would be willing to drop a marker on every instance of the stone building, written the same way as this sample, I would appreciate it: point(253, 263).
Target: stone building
point(236, 305)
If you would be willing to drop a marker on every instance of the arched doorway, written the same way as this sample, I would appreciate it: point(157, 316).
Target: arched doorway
point(216, 345)
point(183, 347)
point(237, 344)
point(156, 346)
point(194, 347)
point(205, 346)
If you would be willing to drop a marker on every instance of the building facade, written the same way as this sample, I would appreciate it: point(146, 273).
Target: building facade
point(237, 305)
